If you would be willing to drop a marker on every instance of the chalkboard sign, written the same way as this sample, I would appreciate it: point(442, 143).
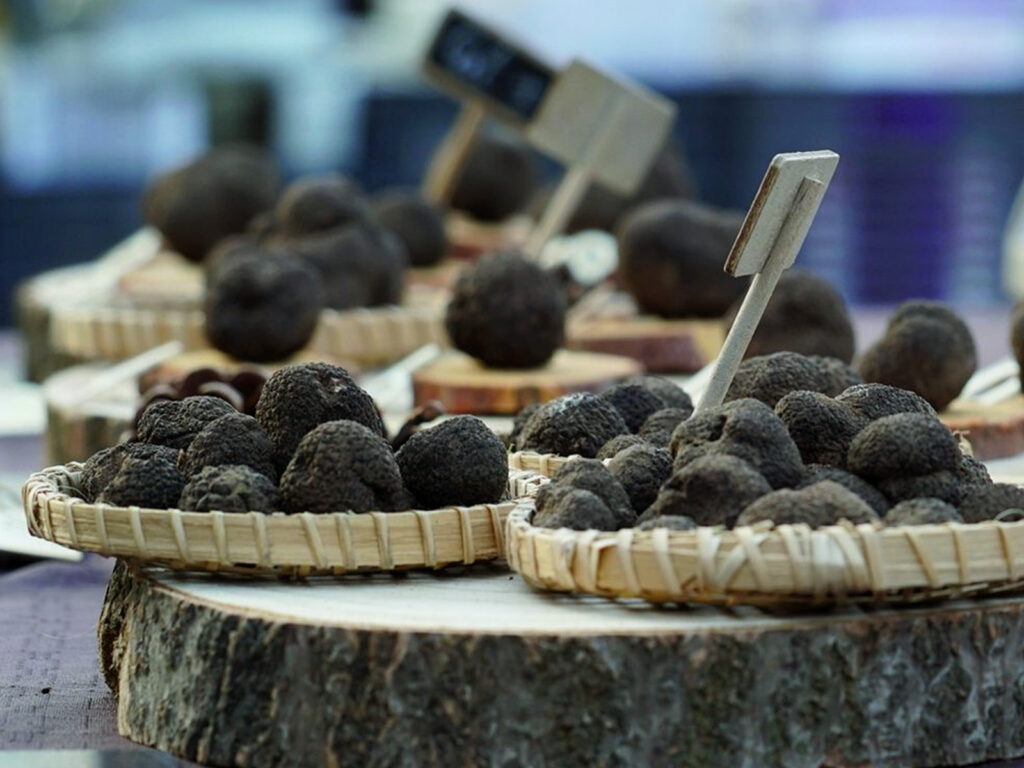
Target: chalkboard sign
point(477, 62)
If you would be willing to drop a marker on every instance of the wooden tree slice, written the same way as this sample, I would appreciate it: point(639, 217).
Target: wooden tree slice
point(995, 431)
point(464, 385)
point(660, 345)
point(475, 669)
point(183, 364)
point(470, 239)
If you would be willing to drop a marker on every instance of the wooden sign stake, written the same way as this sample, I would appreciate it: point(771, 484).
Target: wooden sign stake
point(445, 166)
point(766, 246)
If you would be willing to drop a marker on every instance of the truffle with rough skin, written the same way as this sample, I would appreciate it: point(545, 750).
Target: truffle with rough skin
point(262, 307)
point(858, 485)
point(671, 254)
point(712, 490)
point(145, 479)
point(343, 465)
point(176, 422)
point(416, 222)
point(620, 443)
point(100, 468)
point(671, 522)
point(658, 427)
point(805, 314)
point(747, 429)
point(297, 398)
point(837, 376)
point(922, 511)
point(518, 422)
point(459, 462)
point(769, 378)
point(573, 424)
point(821, 427)
point(497, 179)
point(591, 475)
point(985, 502)
point(565, 506)
point(317, 203)
point(972, 472)
point(199, 204)
point(824, 503)
point(903, 445)
point(634, 401)
point(941, 484)
point(927, 348)
point(229, 488)
point(641, 470)
point(507, 312)
point(876, 401)
point(671, 395)
point(232, 439)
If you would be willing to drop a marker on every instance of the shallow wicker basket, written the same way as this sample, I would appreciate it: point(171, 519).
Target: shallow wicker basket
point(268, 543)
point(545, 464)
point(785, 565)
point(369, 337)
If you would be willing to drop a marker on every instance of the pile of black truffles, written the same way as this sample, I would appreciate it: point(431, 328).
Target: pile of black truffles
point(316, 444)
point(798, 441)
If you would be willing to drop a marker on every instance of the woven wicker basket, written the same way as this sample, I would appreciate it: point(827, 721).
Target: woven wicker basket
point(369, 337)
point(785, 565)
point(263, 543)
point(545, 464)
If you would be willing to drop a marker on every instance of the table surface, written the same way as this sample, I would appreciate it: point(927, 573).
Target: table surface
point(51, 694)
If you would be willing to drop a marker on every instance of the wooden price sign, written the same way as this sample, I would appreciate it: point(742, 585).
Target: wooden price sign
point(766, 246)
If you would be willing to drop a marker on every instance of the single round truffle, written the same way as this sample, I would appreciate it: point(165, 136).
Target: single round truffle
point(145, 479)
point(875, 401)
point(573, 424)
point(498, 176)
point(229, 488)
point(771, 377)
point(824, 503)
point(593, 476)
point(298, 398)
point(262, 306)
point(416, 222)
point(565, 506)
point(658, 427)
point(747, 429)
point(634, 402)
point(712, 490)
point(100, 468)
point(620, 443)
point(821, 427)
point(197, 205)
point(922, 511)
point(805, 314)
point(985, 502)
point(668, 392)
point(317, 203)
point(176, 422)
point(669, 522)
point(459, 462)
point(339, 466)
point(518, 422)
point(641, 470)
point(507, 312)
point(927, 349)
point(232, 439)
point(671, 254)
point(858, 485)
point(903, 445)
point(972, 472)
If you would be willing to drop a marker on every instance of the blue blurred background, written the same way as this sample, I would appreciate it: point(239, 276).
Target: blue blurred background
point(924, 100)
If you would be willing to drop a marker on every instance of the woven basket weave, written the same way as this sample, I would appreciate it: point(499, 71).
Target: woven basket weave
point(545, 464)
point(787, 564)
point(268, 543)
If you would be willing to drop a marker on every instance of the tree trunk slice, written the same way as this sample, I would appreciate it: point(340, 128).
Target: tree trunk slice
point(75, 430)
point(660, 345)
point(464, 385)
point(179, 366)
point(995, 431)
point(470, 239)
point(477, 670)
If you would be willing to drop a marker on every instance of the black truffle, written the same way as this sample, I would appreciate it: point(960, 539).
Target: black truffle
point(564, 506)
point(229, 488)
point(507, 312)
point(923, 511)
point(498, 176)
point(317, 203)
point(941, 484)
point(972, 472)
point(102, 466)
point(824, 503)
point(821, 427)
point(217, 195)
point(876, 401)
point(176, 422)
point(416, 222)
point(518, 422)
point(926, 348)
point(342, 465)
point(620, 443)
point(262, 307)
point(634, 402)
point(593, 476)
point(806, 314)
point(902, 445)
point(985, 502)
point(858, 485)
point(145, 479)
point(459, 462)
point(671, 254)
point(298, 398)
point(658, 427)
point(232, 439)
point(573, 424)
point(669, 393)
point(770, 377)
point(712, 490)
point(671, 522)
point(745, 428)
point(641, 470)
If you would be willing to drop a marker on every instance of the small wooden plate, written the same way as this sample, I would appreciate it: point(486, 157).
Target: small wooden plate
point(660, 345)
point(995, 431)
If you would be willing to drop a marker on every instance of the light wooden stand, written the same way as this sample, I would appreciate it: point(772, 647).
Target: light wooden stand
point(474, 668)
point(996, 431)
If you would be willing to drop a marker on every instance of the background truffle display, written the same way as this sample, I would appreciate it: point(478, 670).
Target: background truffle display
point(417, 223)
point(498, 176)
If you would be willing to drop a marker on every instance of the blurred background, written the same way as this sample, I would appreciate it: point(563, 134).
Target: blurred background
point(924, 100)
